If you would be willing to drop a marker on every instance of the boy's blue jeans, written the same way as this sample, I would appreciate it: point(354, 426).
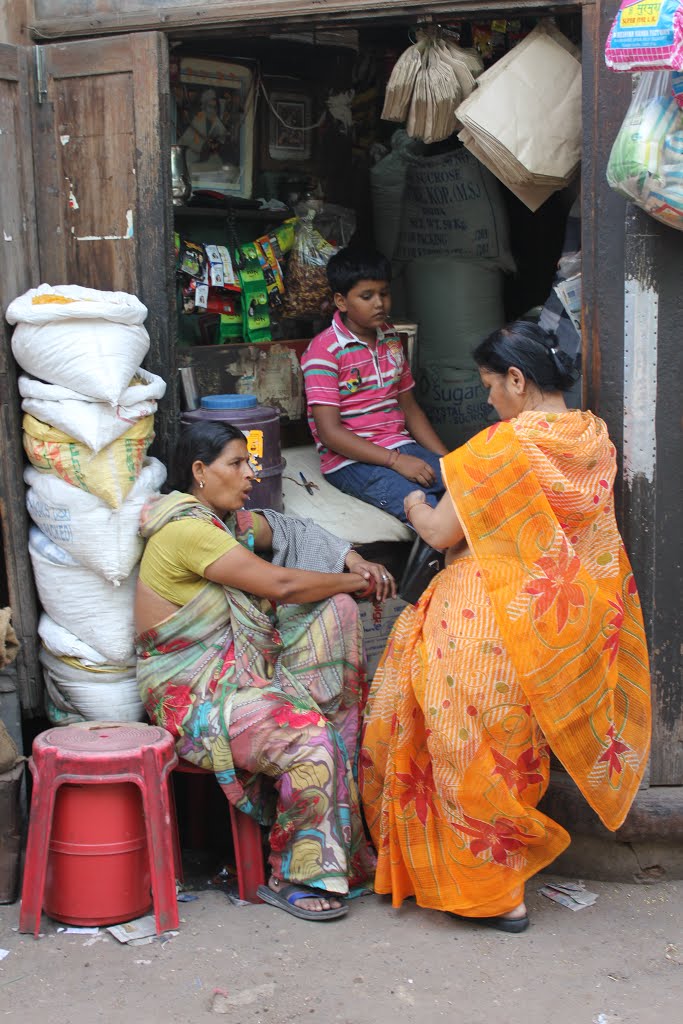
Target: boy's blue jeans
point(385, 488)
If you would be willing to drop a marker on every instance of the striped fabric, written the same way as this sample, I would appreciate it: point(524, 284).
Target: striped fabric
point(341, 370)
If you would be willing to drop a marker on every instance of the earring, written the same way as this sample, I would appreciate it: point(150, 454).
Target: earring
point(201, 484)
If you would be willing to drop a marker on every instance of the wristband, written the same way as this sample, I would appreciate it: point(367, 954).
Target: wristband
point(393, 457)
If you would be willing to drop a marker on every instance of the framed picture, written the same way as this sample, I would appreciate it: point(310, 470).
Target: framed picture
point(290, 137)
point(215, 124)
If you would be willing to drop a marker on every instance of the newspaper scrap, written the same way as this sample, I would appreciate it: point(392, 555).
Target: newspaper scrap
point(140, 928)
point(572, 895)
point(79, 931)
point(569, 294)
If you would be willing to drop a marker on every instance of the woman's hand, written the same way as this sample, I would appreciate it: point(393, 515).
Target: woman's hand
point(417, 470)
point(378, 578)
point(412, 499)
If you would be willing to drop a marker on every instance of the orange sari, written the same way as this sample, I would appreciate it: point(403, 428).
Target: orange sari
point(534, 640)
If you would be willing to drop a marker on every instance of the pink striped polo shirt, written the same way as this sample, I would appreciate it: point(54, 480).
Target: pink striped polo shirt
point(339, 369)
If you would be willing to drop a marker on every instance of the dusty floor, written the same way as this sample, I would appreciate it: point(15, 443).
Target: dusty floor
point(619, 962)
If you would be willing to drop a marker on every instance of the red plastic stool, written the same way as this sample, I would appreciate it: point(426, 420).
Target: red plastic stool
point(102, 754)
point(246, 838)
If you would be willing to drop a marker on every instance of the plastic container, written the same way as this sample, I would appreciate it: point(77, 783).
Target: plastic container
point(261, 425)
point(98, 869)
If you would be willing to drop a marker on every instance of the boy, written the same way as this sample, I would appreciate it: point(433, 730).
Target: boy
point(374, 441)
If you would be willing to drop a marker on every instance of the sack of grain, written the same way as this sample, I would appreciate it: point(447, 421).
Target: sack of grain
point(86, 340)
point(95, 611)
point(63, 644)
point(110, 474)
point(453, 207)
point(97, 536)
point(95, 424)
point(83, 693)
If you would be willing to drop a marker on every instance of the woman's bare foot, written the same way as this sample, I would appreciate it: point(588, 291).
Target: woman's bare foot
point(514, 915)
point(315, 903)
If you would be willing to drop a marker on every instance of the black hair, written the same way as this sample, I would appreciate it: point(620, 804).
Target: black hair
point(203, 440)
point(353, 264)
point(532, 350)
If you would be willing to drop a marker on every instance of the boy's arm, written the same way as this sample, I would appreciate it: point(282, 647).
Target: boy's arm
point(338, 438)
point(419, 426)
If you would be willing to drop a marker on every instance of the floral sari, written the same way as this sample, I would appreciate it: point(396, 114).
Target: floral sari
point(269, 699)
point(532, 641)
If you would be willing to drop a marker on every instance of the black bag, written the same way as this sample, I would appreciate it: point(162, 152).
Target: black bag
point(423, 564)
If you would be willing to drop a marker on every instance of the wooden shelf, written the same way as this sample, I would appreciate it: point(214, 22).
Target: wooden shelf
point(221, 213)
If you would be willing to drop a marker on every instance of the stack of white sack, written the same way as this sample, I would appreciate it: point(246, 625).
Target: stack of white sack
point(88, 422)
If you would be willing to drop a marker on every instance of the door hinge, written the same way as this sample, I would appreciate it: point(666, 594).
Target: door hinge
point(41, 76)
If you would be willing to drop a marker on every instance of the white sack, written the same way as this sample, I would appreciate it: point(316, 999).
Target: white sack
point(86, 304)
point(82, 693)
point(96, 536)
point(94, 423)
point(95, 357)
point(63, 644)
point(78, 599)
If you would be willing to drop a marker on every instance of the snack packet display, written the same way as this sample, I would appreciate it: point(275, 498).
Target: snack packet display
point(306, 276)
point(646, 162)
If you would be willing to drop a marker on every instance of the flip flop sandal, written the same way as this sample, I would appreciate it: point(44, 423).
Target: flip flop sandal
point(285, 898)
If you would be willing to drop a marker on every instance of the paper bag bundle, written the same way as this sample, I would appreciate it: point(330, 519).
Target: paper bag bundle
point(428, 82)
point(524, 120)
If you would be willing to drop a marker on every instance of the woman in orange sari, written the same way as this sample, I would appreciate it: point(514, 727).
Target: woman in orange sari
point(530, 639)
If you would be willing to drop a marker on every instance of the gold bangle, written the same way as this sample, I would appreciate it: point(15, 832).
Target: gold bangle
point(411, 507)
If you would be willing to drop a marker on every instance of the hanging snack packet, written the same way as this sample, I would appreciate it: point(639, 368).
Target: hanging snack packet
point(646, 162)
point(306, 284)
point(192, 259)
point(646, 35)
point(255, 314)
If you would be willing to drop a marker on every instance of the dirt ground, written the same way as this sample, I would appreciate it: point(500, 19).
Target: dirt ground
point(618, 962)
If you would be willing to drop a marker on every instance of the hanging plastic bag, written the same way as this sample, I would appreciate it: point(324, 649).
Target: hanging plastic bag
point(307, 289)
point(646, 35)
point(646, 162)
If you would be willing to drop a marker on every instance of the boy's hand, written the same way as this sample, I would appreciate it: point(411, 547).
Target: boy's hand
point(417, 470)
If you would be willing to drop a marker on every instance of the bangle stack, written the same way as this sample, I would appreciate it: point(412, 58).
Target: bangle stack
point(393, 457)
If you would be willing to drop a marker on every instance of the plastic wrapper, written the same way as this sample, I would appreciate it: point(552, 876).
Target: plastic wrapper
point(646, 35)
point(646, 162)
point(307, 289)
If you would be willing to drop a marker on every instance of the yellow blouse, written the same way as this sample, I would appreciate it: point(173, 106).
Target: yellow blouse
point(176, 556)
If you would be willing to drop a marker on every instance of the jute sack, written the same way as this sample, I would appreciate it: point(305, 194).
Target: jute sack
point(109, 474)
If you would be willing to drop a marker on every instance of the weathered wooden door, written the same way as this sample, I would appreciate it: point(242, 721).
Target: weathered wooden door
point(102, 165)
point(18, 271)
point(84, 199)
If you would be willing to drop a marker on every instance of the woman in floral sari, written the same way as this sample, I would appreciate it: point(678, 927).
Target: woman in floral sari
point(257, 667)
point(531, 638)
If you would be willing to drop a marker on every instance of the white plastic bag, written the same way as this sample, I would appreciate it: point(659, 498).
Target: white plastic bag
point(95, 424)
point(95, 611)
point(96, 358)
point(646, 162)
point(83, 693)
point(47, 304)
point(94, 534)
